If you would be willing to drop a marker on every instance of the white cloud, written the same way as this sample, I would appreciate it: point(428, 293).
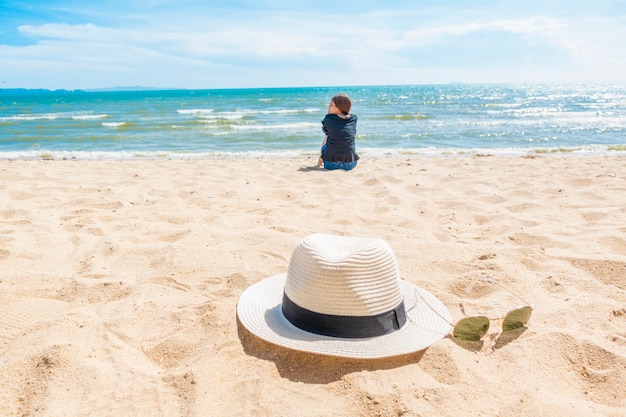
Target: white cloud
point(61, 31)
point(313, 49)
point(539, 28)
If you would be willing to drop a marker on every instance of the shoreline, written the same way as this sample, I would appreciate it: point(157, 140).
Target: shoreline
point(120, 281)
point(589, 150)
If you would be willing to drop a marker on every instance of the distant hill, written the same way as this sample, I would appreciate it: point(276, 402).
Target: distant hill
point(8, 91)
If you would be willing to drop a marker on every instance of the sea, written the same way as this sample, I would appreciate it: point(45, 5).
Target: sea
point(286, 122)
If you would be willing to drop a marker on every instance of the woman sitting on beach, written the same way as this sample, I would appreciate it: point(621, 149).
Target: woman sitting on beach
point(338, 147)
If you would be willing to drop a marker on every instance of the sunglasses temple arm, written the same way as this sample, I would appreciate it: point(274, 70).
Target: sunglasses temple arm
point(510, 291)
point(434, 311)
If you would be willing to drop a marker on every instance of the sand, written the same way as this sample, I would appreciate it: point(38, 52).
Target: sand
point(119, 282)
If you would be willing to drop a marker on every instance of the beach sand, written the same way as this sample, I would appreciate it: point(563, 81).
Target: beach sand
point(119, 282)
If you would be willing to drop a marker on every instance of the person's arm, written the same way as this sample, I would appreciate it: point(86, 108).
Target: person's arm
point(320, 162)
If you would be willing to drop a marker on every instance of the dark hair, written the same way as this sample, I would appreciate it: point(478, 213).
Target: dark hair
point(343, 103)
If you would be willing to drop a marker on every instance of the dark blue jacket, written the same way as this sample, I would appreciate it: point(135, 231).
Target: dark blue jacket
point(340, 145)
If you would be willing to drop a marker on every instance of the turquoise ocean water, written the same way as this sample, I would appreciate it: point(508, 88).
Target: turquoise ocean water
point(285, 122)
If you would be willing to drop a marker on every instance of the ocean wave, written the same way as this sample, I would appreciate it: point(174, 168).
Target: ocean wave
point(31, 117)
point(276, 111)
point(283, 126)
point(52, 116)
point(309, 154)
point(221, 116)
point(194, 111)
point(238, 114)
point(113, 124)
point(89, 116)
point(403, 117)
point(286, 111)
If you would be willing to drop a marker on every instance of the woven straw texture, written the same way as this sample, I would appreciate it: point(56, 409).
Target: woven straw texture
point(343, 276)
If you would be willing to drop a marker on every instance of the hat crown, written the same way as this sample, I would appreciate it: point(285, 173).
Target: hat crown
point(344, 276)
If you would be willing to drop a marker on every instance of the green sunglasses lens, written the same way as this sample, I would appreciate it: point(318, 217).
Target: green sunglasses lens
point(517, 318)
point(471, 328)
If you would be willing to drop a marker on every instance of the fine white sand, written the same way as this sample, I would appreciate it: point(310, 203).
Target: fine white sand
point(119, 282)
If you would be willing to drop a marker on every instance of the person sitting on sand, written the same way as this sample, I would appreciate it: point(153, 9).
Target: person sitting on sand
point(339, 126)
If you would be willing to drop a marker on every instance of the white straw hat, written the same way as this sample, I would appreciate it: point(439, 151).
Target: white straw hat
point(343, 296)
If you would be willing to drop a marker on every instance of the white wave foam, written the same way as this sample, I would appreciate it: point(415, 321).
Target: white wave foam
point(30, 117)
point(148, 155)
point(285, 111)
point(52, 116)
point(89, 116)
point(221, 116)
point(113, 124)
point(305, 153)
point(284, 126)
point(194, 111)
point(242, 113)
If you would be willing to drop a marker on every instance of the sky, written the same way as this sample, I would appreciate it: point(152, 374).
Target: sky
point(194, 44)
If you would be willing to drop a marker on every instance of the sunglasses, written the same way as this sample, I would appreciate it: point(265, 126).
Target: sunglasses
point(475, 327)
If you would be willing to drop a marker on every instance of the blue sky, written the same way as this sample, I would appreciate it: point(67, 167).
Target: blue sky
point(266, 43)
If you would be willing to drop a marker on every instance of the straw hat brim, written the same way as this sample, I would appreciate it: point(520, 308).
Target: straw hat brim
point(259, 310)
